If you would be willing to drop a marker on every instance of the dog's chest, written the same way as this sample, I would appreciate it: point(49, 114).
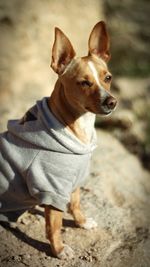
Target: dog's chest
point(86, 123)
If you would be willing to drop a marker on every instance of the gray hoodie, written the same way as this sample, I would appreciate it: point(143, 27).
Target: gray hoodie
point(41, 162)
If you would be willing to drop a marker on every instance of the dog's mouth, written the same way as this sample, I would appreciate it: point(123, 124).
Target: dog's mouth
point(108, 105)
point(105, 110)
point(103, 107)
point(102, 110)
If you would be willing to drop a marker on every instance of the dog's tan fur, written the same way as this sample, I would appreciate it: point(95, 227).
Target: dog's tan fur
point(79, 94)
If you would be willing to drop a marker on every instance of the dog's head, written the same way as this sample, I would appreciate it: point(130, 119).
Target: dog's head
point(86, 80)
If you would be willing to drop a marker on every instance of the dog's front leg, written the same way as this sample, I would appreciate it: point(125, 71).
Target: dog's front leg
point(75, 210)
point(53, 219)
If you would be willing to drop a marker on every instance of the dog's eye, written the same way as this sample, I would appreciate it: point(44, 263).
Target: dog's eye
point(107, 79)
point(86, 83)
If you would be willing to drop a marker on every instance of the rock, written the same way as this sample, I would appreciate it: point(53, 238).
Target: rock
point(1, 229)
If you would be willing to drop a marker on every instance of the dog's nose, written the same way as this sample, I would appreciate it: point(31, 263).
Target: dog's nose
point(110, 102)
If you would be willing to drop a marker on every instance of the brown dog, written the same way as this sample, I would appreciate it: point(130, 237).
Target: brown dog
point(81, 91)
point(44, 157)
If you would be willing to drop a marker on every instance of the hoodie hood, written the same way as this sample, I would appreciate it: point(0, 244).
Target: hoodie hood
point(44, 131)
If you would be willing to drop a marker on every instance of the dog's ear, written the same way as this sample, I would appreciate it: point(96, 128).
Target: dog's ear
point(99, 41)
point(62, 52)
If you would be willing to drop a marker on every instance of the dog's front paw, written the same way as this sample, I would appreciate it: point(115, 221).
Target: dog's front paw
point(89, 224)
point(66, 253)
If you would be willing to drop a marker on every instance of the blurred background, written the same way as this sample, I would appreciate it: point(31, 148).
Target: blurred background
point(26, 38)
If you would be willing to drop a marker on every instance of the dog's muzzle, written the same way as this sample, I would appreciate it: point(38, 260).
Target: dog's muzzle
point(109, 104)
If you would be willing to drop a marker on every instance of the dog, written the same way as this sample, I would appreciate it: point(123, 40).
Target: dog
point(45, 156)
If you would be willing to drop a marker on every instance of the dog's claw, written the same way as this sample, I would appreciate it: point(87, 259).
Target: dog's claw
point(89, 224)
point(66, 253)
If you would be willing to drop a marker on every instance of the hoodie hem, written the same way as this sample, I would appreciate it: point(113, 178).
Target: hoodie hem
point(49, 198)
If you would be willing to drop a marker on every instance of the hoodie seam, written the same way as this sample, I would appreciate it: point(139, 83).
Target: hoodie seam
point(31, 162)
